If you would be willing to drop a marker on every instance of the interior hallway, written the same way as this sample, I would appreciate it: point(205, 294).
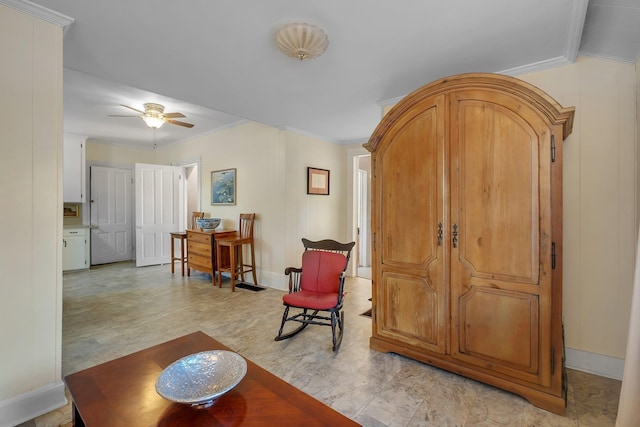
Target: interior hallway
point(117, 309)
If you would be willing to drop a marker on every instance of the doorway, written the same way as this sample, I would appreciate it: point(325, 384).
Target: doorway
point(191, 192)
point(362, 178)
point(111, 213)
point(159, 191)
point(112, 209)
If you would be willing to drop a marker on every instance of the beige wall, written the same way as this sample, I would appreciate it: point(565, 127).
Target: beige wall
point(31, 215)
point(600, 189)
point(628, 414)
point(271, 181)
point(313, 216)
point(100, 152)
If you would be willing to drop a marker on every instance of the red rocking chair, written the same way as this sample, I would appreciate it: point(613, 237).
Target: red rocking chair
point(316, 288)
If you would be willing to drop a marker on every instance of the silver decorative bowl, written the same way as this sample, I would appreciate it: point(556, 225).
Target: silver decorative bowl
point(208, 224)
point(200, 378)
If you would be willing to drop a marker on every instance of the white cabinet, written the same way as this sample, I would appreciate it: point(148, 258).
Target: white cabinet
point(75, 248)
point(74, 187)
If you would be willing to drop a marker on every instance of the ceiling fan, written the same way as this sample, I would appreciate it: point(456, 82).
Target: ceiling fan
point(154, 116)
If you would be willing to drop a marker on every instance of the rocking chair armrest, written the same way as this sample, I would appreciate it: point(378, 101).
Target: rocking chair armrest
point(294, 274)
point(289, 270)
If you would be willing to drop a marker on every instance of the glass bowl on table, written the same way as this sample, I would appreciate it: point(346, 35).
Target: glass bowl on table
point(200, 378)
point(208, 224)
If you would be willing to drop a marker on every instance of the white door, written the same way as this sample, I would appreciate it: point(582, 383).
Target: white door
point(363, 220)
point(159, 211)
point(111, 215)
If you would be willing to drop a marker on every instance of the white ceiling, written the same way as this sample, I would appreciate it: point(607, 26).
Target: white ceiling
point(216, 61)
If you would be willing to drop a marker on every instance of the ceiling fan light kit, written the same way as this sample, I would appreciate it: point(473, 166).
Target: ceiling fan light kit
point(301, 41)
point(154, 115)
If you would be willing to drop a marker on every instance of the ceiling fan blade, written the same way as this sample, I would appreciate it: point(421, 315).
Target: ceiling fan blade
point(118, 115)
point(134, 109)
point(174, 115)
point(175, 122)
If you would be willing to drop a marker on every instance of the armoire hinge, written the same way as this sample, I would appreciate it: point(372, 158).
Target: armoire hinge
point(374, 241)
point(553, 148)
point(553, 360)
point(374, 167)
point(553, 255)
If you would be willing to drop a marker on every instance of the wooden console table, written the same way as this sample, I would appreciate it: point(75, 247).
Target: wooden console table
point(201, 251)
point(122, 393)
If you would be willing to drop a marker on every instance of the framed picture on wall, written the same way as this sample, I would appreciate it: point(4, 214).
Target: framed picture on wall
point(317, 181)
point(223, 187)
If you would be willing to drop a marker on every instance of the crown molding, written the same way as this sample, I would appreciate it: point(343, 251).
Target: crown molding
point(576, 25)
point(40, 12)
point(547, 64)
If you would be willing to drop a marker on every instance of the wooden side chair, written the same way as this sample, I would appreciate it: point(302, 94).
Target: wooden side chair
point(194, 217)
point(317, 289)
point(181, 237)
point(237, 266)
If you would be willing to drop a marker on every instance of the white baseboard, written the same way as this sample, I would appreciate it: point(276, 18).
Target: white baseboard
point(597, 364)
point(30, 405)
point(274, 280)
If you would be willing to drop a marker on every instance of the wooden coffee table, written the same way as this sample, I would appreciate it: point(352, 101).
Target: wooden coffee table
point(122, 393)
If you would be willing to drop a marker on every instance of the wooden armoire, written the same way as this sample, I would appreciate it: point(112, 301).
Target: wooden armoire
point(467, 233)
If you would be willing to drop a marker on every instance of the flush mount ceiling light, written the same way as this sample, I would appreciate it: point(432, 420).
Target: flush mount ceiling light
point(301, 41)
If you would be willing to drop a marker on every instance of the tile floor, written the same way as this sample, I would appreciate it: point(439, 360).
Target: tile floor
point(113, 310)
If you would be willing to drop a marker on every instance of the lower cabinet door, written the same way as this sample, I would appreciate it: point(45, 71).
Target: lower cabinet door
point(74, 253)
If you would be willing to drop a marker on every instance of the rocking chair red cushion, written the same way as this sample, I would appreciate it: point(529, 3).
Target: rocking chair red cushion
point(320, 282)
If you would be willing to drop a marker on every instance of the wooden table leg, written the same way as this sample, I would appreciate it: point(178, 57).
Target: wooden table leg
point(183, 257)
point(76, 419)
point(232, 266)
point(218, 249)
point(173, 257)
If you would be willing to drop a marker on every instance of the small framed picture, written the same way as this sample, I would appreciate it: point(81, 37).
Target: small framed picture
point(223, 187)
point(317, 181)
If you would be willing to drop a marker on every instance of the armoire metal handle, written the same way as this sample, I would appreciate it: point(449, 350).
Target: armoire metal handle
point(440, 234)
point(455, 235)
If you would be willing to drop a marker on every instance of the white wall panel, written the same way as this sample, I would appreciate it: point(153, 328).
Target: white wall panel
point(600, 191)
point(31, 197)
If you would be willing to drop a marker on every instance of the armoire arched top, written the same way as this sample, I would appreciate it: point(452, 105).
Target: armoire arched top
point(526, 92)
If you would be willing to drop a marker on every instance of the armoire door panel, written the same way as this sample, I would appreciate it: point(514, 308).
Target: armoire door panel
point(409, 166)
point(499, 330)
point(409, 243)
point(498, 199)
point(413, 311)
point(499, 183)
